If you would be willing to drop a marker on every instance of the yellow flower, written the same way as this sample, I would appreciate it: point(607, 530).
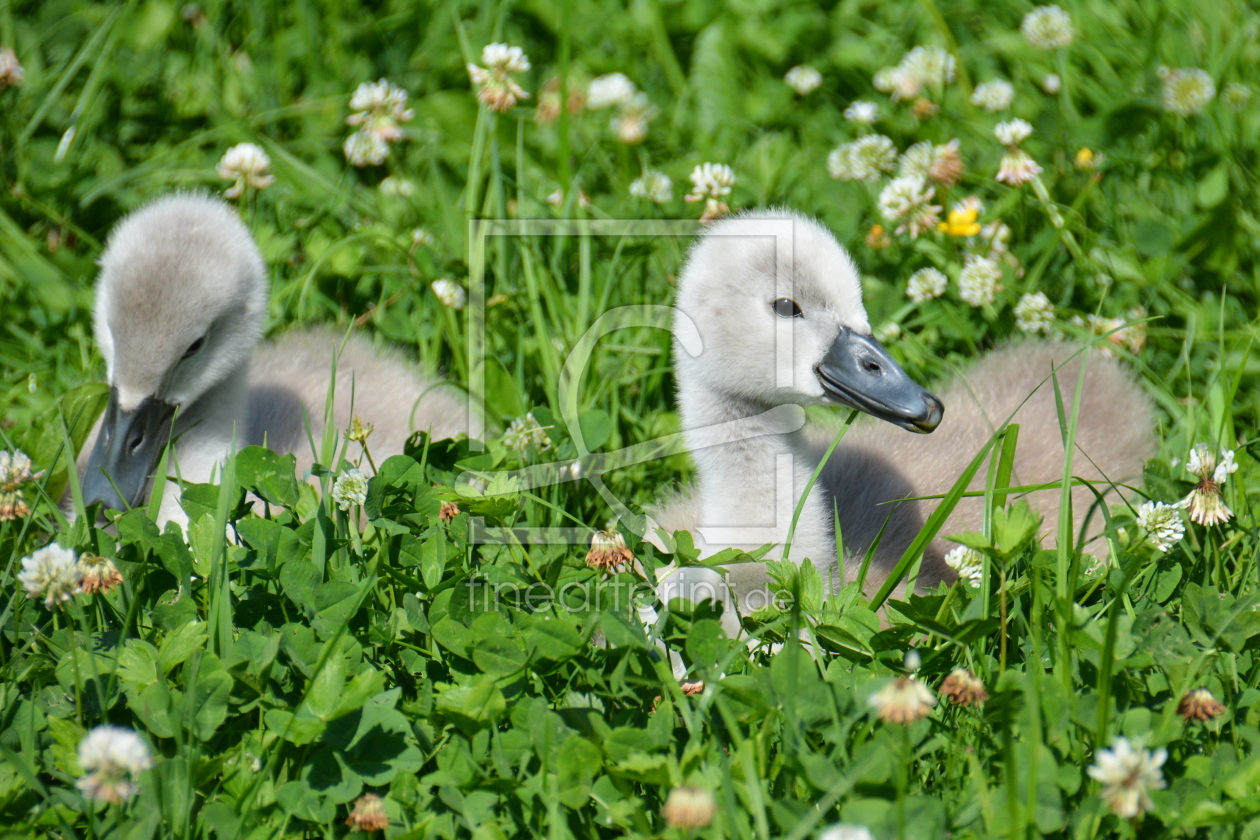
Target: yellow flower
point(1085, 159)
point(962, 222)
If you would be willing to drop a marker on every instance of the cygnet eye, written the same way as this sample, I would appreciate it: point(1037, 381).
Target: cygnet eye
point(194, 347)
point(786, 308)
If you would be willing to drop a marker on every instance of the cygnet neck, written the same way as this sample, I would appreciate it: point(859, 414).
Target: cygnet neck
point(754, 464)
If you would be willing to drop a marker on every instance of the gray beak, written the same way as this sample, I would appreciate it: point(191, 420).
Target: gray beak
point(859, 373)
point(126, 453)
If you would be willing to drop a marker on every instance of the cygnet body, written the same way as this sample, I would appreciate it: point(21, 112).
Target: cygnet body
point(776, 303)
point(180, 310)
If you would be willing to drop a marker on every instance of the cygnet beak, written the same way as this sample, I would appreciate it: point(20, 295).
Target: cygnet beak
point(126, 453)
point(858, 372)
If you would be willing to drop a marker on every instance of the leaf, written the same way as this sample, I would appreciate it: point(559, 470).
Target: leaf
point(365, 685)
point(268, 475)
point(622, 632)
point(707, 643)
point(577, 765)
point(1013, 526)
point(181, 644)
point(153, 707)
point(137, 664)
point(207, 697)
point(554, 638)
point(499, 657)
point(299, 580)
point(453, 636)
point(480, 703)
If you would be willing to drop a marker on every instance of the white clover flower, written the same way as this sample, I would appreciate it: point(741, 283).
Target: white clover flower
point(863, 159)
point(926, 284)
point(1162, 523)
point(609, 91)
point(994, 96)
point(51, 572)
point(903, 700)
point(978, 281)
point(1236, 96)
point(524, 432)
point(631, 122)
point(942, 164)
point(654, 186)
point(862, 112)
point(1186, 90)
point(11, 72)
point(97, 574)
point(1225, 468)
point(379, 108)
point(449, 292)
point(888, 332)
point(1048, 28)
point(916, 160)
point(1012, 133)
point(398, 187)
point(919, 68)
point(15, 470)
point(841, 831)
point(362, 148)
point(1052, 84)
point(368, 814)
point(1128, 773)
point(885, 79)
point(803, 79)
point(1017, 168)
point(112, 757)
point(1113, 329)
point(350, 489)
point(838, 165)
point(968, 563)
point(1205, 502)
point(608, 550)
point(422, 236)
point(1034, 313)
point(689, 808)
point(495, 85)
point(246, 164)
point(710, 182)
point(907, 200)
point(503, 58)
point(1201, 461)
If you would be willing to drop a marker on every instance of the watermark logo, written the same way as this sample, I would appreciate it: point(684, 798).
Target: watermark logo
point(592, 466)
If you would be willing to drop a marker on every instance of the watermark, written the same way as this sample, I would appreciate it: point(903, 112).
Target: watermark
point(623, 598)
point(592, 466)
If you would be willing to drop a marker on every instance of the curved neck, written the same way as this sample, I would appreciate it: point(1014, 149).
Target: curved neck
point(205, 431)
point(754, 465)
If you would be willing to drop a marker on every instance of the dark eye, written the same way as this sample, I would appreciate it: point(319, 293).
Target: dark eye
point(786, 308)
point(194, 347)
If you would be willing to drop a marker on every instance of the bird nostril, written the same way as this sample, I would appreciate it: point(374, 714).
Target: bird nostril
point(135, 441)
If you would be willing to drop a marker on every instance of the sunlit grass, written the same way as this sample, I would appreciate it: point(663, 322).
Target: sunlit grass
point(322, 655)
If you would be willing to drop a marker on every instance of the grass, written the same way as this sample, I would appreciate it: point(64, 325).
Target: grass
point(279, 677)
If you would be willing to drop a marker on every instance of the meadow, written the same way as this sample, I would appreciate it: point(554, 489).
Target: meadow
point(334, 669)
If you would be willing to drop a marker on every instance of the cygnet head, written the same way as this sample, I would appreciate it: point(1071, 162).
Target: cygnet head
point(778, 307)
point(180, 305)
